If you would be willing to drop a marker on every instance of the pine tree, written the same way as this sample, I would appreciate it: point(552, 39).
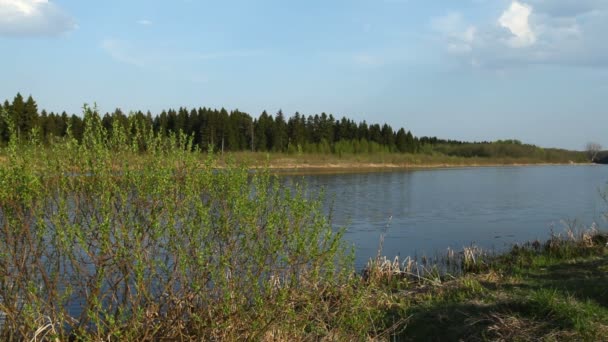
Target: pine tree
point(412, 143)
point(388, 139)
point(280, 138)
point(401, 141)
point(77, 127)
point(16, 112)
point(4, 134)
point(234, 131)
point(29, 115)
point(296, 130)
point(363, 131)
point(263, 132)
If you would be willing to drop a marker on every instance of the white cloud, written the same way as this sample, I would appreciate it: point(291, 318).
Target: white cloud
point(144, 22)
point(517, 20)
point(33, 18)
point(529, 32)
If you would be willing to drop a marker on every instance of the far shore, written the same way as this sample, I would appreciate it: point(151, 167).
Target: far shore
point(348, 167)
point(381, 162)
point(319, 163)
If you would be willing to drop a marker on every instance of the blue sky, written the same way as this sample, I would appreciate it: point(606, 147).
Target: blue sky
point(534, 70)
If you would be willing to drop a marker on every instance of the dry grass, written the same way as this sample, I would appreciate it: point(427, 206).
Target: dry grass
point(310, 162)
point(509, 327)
point(552, 291)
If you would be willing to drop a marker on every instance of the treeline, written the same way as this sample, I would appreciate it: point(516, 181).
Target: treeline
point(226, 131)
point(238, 131)
point(512, 149)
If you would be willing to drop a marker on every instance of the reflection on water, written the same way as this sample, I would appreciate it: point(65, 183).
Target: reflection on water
point(430, 210)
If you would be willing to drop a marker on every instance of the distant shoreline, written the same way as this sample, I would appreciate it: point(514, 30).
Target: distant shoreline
point(348, 167)
point(319, 164)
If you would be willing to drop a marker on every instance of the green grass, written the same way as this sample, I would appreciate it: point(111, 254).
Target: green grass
point(557, 293)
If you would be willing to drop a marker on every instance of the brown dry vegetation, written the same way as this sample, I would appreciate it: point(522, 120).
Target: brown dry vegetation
point(552, 291)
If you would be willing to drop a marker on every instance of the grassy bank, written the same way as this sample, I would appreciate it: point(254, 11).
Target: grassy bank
point(282, 162)
point(552, 291)
point(379, 161)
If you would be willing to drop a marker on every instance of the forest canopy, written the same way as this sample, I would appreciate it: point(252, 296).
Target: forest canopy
point(234, 130)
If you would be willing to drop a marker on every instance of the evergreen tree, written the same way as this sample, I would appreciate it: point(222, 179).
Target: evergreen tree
point(29, 115)
point(280, 138)
point(326, 128)
point(401, 141)
point(363, 131)
point(388, 138)
point(4, 134)
point(63, 124)
point(263, 132)
point(234, 131)
point(296, 130)
point(16, 112)
point(77, 127)
point(375, 133)
point(411, 143)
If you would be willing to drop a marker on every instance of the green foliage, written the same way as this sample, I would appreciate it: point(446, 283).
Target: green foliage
point(101, 241)
point(508, 149)
point(226, 131)
point(237, 131)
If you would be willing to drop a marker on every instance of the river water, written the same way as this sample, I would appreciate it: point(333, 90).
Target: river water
point(426, 211)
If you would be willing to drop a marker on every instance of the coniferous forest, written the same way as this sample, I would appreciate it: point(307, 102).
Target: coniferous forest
point(233, 131)
point(227, 130)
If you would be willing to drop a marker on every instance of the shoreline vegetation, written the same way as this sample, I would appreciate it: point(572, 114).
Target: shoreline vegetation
point(536, 291)
point(313, 141)
point(285, 163)
point(170, 248)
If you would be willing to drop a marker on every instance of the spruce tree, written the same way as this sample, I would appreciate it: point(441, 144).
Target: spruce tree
point(16, 112)
point(401, 141)
point(29, 116)
point(280, 138)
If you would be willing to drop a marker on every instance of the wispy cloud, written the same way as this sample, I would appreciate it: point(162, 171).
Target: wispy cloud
point(144, 22)
point(459, 36)
point(33, 18)
point(145, 57)
point(121, 51)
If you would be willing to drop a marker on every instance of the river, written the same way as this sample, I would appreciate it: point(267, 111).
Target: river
point(424, 212)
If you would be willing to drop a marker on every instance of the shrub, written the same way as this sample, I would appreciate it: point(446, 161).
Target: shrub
point(99, 240)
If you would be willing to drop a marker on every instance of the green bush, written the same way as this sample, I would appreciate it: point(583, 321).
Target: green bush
point(99, 240)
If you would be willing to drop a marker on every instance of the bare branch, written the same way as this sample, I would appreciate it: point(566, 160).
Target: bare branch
point(593, 149)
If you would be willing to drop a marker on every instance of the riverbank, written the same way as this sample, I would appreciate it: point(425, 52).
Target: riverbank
point(553, 291)
point(328, 164)
point(377, 162)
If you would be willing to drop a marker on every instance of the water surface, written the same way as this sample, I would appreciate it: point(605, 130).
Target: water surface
point(427, 211)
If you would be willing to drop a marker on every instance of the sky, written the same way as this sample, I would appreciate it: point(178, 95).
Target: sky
point(533, 70)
